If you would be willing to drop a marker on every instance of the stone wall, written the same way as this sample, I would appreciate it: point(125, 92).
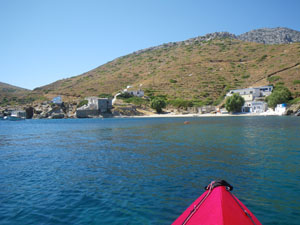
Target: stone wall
point(86, 113)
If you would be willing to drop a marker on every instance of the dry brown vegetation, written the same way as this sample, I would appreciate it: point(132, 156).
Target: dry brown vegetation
point(199, 71)
point(11, 94)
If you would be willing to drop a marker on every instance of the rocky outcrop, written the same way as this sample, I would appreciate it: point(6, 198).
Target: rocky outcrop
point(48, 110)
point(211, 36)
point(279, 35)
point(293, 109)
point(129, 110)
point(29, 112)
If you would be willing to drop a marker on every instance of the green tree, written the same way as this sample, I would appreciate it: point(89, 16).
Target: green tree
point(279, 95)
point(82, 103)
point(234, 103)
point(158, 104)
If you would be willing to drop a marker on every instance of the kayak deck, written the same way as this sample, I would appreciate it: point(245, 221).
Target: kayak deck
point(217, 205)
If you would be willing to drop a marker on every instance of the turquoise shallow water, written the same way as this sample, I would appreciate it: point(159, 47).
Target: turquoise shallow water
point(145, 171)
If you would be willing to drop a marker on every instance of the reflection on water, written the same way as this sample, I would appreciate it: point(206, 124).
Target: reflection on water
point(145, 171)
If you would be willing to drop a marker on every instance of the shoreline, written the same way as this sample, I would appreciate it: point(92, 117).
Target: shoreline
point(170, 115)
point(173, 115)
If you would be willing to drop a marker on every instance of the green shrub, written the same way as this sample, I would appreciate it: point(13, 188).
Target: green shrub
point(198, 103)
point(173, 81)
point(164, 97)
point(262, 58)
point(295, 82)
point(158, 104)
point(294, 101)
point(218, 100)
point(208, 101)
point(136, 101)
point(273, 78)
point(204, 94)
point(234, 103)
point(279, 95)
point(149, 92)
point(245, 76)
point(82, 103)
point(104, 95)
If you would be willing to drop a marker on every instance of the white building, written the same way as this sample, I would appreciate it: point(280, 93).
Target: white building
point(254, 92)
point(280, 109)
point(136, 93)
point(100, 104)
point(265, 90)
point(249, 94)
point(18, 114)
point(255, 107)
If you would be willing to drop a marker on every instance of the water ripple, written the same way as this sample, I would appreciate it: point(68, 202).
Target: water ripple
point(145, 171)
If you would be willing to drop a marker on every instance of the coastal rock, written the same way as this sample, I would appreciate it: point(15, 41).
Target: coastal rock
point(57, 116)
point(293, 109)
point(29, 112)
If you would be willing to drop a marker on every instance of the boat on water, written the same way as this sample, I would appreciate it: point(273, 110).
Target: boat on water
point(12, 118)
point(217, 206)
point(16, 116)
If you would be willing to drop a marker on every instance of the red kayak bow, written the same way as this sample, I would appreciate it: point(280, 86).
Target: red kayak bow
point(217, 206)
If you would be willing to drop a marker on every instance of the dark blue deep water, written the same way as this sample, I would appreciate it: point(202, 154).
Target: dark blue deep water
point(145, 171)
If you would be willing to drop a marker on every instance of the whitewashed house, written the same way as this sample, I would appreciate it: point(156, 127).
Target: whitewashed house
point(136, 93)
point(252, 96)
point(255, 107)
point(280, 109)
point(249, 94)
point(265, 90)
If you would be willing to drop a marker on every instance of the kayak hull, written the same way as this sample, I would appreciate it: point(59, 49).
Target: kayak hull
point(217, 206)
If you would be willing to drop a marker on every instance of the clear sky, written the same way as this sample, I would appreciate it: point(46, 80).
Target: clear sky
point(43, 41)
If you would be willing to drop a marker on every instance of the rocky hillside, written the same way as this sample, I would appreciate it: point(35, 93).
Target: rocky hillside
point(200, 69)
point(279, 35)
point(10, 93)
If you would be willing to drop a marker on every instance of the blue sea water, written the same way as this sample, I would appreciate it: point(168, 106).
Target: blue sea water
point(145, 171)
